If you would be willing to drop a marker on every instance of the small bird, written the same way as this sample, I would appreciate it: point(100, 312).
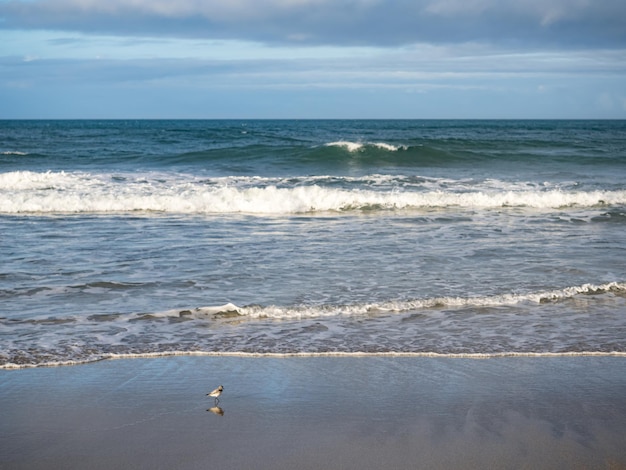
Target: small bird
point(216, 393)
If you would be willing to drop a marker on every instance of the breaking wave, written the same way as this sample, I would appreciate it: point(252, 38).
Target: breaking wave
point(445, 326)
point(26, 192)
point(282, 313)
point(359, 146)
point(230, 310)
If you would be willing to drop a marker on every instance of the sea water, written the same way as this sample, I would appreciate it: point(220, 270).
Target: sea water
point(143, 238)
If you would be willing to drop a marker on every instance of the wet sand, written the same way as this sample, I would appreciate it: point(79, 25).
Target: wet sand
point(317, 412)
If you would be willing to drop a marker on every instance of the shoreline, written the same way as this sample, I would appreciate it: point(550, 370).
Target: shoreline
point(329, 354)
point(317, 412)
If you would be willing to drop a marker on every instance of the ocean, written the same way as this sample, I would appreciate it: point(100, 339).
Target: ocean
point(314, 237)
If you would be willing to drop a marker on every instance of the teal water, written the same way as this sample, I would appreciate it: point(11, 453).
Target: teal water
point(449, 237)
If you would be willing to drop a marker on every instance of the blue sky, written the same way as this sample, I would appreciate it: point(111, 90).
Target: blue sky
point(312, 59)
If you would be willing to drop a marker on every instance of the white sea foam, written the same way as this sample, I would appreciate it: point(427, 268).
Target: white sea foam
point(389, 147)
point(201, 312)
point(357, 146)
point(53, 192)
point(356, 354)
point(31, 180)
point(349, 146)
point(276, 312)
point(291, 313)
point(420, 327)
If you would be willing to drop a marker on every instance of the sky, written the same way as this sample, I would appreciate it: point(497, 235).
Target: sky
point(298, 59)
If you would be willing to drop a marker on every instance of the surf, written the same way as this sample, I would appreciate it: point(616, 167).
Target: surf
point(27, 192)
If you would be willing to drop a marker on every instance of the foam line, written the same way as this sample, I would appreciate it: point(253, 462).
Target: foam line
point(357, 354)
point(37, 193)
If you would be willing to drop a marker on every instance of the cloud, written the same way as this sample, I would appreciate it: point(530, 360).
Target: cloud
point(312, 58)
point(550, 23)
point(416, 68)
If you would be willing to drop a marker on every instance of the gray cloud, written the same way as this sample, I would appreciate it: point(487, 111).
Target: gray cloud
point(418, 68)
point(547, 23)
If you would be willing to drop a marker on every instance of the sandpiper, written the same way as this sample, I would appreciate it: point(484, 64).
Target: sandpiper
point(216, 393)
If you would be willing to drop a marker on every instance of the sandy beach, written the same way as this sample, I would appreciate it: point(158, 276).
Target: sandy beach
point(317, 412)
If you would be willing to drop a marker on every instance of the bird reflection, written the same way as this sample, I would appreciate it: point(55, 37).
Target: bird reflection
point(216, 410)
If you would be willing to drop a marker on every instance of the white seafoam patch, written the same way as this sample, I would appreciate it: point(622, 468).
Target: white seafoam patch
point(26, 192)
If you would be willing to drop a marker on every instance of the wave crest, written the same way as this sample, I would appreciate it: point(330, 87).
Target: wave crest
point(358, 146)
point(541, 297)
point(415, 327)
point(31, 192)
point(319, 311)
